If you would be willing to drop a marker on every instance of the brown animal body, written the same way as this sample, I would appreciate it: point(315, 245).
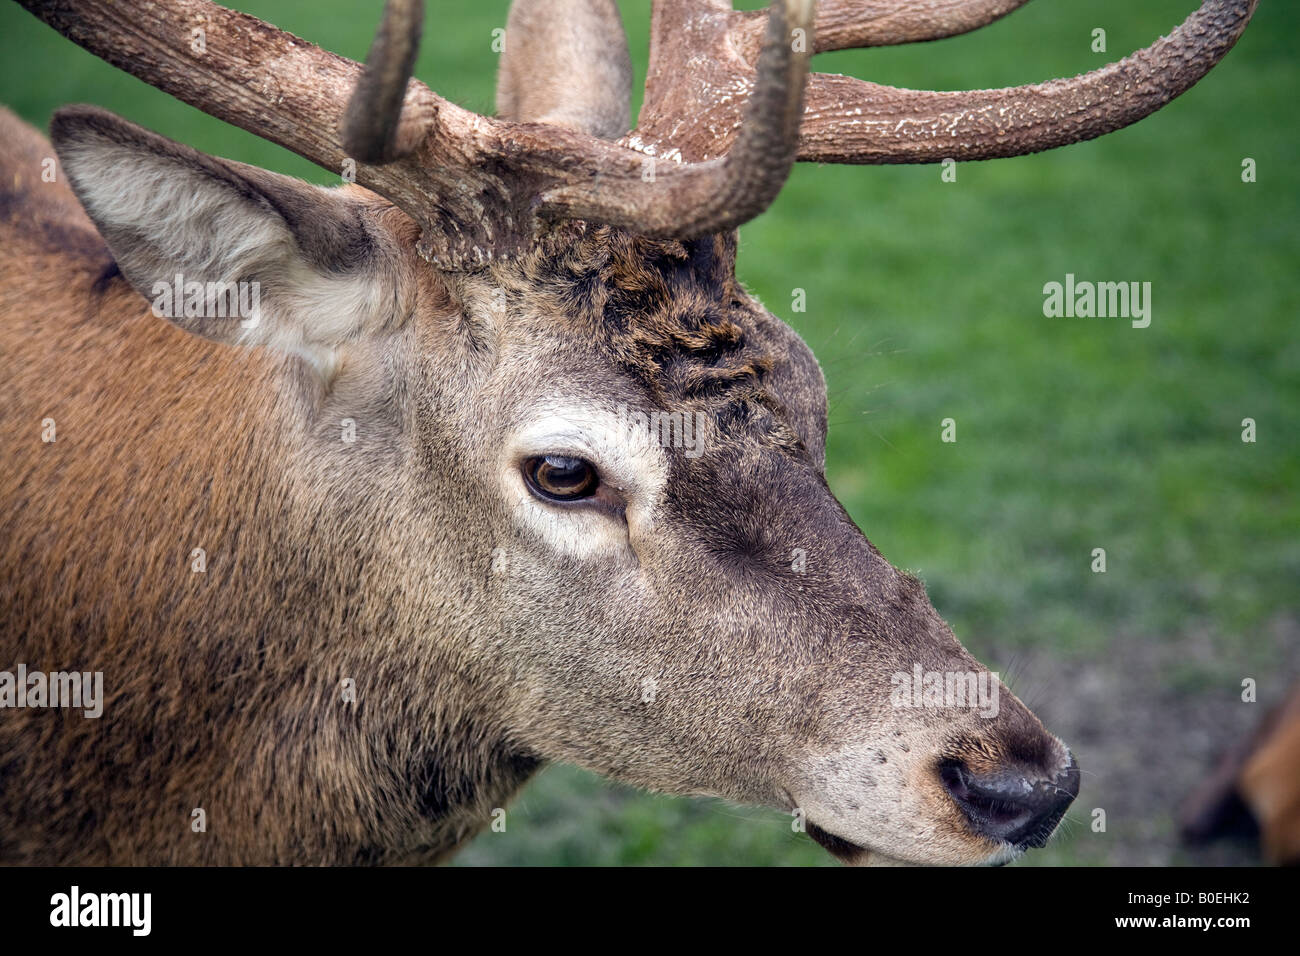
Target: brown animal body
point(1255, 788)
point(353, 570)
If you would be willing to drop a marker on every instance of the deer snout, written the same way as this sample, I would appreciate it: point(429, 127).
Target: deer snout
point(1014, 804)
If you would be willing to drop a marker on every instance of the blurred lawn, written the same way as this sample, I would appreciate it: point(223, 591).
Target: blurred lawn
point(925, 302)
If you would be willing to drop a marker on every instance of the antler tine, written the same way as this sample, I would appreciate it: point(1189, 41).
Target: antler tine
point(852, 24)
point(720, 194)
point(853, 121)
point(372, 129)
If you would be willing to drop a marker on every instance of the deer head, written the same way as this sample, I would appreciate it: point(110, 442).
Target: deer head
point(512, 308)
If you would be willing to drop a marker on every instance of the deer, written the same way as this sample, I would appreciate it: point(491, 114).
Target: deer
point(355, 566)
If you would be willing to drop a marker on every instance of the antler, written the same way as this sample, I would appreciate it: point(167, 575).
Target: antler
point(850, 24)
point(371, 129)
point(478, 187)
point(710, 196)
point(723, 122)
point(854, 121)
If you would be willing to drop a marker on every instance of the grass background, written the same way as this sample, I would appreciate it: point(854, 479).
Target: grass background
point(924, 302)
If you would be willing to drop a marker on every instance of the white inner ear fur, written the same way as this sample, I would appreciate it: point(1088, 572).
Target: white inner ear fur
point(193, 225)
point(628, 460)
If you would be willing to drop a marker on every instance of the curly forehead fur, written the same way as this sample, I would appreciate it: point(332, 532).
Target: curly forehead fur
point(670, 312)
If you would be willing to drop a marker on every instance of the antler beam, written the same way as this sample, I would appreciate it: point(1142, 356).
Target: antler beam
point(853, 121)
point(230, 65)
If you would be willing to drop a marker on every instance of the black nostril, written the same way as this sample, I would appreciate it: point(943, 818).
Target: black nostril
point(1009, 806)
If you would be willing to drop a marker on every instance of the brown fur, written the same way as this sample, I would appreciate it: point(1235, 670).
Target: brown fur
point(1270, 785)
point(1255, 787)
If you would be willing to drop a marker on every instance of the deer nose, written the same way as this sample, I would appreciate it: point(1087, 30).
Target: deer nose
point(1011, 806)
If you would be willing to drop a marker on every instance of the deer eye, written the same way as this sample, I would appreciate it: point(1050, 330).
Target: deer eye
point(559, 478)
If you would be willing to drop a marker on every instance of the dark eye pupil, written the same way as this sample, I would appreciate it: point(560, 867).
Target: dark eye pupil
point(561, 478)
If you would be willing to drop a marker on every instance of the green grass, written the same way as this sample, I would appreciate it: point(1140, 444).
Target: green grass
point(924, 302)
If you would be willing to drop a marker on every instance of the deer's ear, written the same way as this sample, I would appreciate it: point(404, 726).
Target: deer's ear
point(196, 235)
